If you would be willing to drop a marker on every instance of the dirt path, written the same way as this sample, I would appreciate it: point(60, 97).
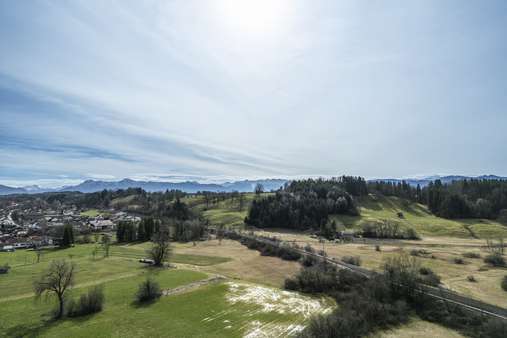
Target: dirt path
point(193, 286)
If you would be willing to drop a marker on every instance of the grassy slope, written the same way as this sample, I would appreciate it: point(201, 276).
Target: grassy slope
point(181, 315)
point(226, 212)
point(122, 263)
point(418, 217)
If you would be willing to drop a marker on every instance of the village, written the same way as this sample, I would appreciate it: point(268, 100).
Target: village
point(27, 225)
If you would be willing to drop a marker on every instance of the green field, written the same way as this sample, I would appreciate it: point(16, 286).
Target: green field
point(417, 216)
point(91, 213)
point(205, 311)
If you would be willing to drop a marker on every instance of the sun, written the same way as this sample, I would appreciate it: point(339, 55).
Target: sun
point(255, 16)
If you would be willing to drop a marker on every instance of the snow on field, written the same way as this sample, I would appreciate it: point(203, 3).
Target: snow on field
point(293, 310)
point(274, 300)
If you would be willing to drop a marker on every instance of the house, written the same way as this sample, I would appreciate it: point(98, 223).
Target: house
point(101, 224)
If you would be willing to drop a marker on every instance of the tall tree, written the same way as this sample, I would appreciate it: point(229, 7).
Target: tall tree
point(56, 280)
point(68, 236)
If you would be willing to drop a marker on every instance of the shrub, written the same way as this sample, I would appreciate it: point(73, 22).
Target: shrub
point(4, 268)
point(471, 255)
point(288, 254)
point(291, 284)
point(307, 260)
point(495, 260)
point(472, 279)
point(428, 276)
point(458, 260)
point(419, 252)
point(504, 283)
point(309, 248)
point(90, 302)
point(149, 290)
point(354, 260)
point(412, 234)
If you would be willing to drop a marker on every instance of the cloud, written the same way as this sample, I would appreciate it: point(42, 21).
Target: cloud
point(186, 87)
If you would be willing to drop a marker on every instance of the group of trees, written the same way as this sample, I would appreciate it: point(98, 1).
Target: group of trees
point(382, 301)
point(468, 198)
point(128, 231)
point(459, 199)
point(307, 203)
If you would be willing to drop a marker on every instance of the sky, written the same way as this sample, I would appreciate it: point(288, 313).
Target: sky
point(229, 89)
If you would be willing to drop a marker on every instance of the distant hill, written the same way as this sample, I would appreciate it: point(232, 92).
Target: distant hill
point(188, 186)
point(5, 190)
point(193, 186)
point(424, 181)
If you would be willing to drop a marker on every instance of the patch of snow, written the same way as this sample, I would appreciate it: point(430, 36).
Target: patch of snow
point(274, 300)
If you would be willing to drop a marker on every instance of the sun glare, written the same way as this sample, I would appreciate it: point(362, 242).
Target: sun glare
point(255, 16)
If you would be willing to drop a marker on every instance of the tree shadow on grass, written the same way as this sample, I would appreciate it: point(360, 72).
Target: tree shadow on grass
point(141, 305)
point(31, 330)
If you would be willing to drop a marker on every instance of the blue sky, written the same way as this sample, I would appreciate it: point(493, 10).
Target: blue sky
point(213, 90)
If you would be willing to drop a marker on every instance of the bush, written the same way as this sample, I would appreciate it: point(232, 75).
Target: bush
point(307, 260)
point(149, 290)
point(309, 248)
point(472, 279)
point(495, 328)
point(288, 254)
point(419, 252)
point(471, 255)
point(354, 260)
point(504, 283)
point(458, 260)
point(90, 302)
point(4, 268)
point(291, 284)
point(495, 260)
point(428, 277)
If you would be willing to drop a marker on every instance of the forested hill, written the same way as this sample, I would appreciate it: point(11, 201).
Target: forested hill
point(474, 198)
point(307, 203)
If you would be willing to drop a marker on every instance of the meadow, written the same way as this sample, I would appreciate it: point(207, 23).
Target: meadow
point(234, 307)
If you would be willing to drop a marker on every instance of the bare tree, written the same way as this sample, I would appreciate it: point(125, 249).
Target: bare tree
point(494, 248)
point(220, 233)
point(38, 252)
point(56, 280)
point(160, 249)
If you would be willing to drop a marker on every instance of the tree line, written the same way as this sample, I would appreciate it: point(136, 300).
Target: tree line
point(307, 203)
point(471, 198)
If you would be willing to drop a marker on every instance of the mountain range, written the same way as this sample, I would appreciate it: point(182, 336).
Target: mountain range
point(193, 186)
point(152, 186)
point(424, 181)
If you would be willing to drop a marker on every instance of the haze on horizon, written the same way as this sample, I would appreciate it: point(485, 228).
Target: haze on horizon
point(243, 89)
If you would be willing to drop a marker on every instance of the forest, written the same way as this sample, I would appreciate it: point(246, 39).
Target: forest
point(307, 203)
point(471, 198)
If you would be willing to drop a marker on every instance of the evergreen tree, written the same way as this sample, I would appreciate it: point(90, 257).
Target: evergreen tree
point(68, 236)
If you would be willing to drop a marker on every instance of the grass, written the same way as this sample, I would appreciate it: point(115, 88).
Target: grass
point(25, 317)
point(202, 312)
point(90, 213)
point(418, 217)
point(418, 329)
point(123, 262)
point(245, 264)
point(181, 315)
